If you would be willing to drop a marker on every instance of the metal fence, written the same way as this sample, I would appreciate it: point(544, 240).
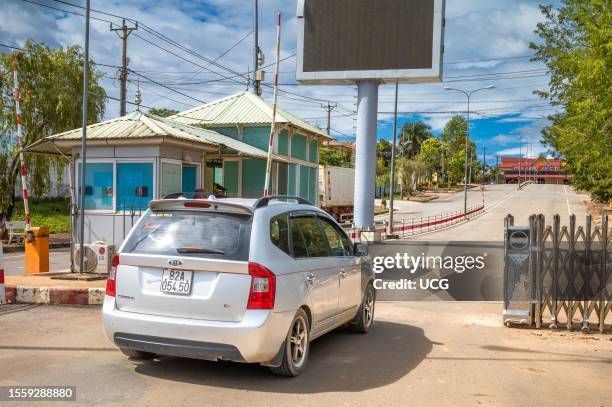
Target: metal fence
point(567, 280)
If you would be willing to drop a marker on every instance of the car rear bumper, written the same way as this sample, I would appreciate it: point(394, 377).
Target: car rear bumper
point(178, 347)
point(257, 338)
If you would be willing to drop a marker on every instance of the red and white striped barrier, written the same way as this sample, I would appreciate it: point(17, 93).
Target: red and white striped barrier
point(2, 288)
point(427, 225)
point(26, 207)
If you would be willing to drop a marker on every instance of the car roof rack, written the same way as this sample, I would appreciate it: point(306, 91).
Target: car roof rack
point(263, 202)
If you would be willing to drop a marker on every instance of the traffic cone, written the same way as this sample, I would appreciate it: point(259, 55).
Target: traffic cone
point(2, 289)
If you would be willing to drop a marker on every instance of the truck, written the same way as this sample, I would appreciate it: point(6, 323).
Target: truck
point(336, 191)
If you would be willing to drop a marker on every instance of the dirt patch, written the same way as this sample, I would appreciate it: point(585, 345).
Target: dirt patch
point(597, 210)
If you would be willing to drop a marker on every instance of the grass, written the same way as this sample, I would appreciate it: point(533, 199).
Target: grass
point(53, 213)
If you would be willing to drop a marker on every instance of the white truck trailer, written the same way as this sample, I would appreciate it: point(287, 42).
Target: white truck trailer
point(336, 191)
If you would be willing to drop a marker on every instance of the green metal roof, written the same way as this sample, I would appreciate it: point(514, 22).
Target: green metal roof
point(137, 126)
point(242, 108)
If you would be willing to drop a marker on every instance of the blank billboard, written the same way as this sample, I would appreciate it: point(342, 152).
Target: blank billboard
point(342, 41)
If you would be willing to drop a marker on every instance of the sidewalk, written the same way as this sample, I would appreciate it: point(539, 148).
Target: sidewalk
point(41, 289)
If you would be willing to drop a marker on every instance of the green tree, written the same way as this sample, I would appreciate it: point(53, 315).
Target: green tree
point(411, 137)
point(163, 112)
point(409, 172)
point(576, 48)
point(329, 156)
point(383, 151)
point(432, 155)
point(51, 85)
point(454, 135)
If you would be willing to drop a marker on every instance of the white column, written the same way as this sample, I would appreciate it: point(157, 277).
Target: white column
point(365, 155)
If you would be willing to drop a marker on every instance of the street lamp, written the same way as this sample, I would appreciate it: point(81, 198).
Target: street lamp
point(468, 95)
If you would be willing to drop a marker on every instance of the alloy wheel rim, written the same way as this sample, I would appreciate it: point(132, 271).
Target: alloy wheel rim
point(299, 342)
point(368, 308)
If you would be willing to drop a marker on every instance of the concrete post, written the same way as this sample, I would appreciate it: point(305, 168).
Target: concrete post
point(365, 156)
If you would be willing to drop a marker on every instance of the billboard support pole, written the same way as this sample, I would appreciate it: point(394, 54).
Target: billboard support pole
point(393, 147)
point(274, 104)
point(365, 156)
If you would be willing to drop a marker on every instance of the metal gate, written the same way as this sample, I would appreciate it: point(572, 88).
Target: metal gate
point(561, 277)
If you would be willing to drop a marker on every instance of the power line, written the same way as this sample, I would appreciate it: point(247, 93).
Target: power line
point(145, 28)
point(66, 11)
point(220, 56)
point(164, 96)
point(499, 73)
point(167, 87)
point(488, 59)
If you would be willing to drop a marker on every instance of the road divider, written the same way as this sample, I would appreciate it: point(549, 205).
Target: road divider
point(424, 224)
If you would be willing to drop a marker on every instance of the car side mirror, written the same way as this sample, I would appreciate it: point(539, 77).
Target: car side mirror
point(360, 249)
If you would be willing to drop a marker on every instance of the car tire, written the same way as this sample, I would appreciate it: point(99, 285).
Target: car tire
point(295, 360)
point(137, 354)
point(365, 317)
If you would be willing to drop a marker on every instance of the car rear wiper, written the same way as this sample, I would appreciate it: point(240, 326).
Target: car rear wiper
point(183, 250)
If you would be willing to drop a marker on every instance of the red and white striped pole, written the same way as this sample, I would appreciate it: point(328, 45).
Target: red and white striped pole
point(24, 187)
point(2, 289)
point(273, 126)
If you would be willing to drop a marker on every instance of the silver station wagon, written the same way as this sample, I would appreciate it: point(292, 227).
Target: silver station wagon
point(234, 279)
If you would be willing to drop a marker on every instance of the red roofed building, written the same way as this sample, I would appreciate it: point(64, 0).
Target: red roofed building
point(542, 170)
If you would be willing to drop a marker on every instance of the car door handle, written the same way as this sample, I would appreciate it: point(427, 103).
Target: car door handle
point(310, 278)
point(343, 273)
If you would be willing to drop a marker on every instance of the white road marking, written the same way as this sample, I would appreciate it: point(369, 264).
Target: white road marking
point(569, 211)
point(502, 200)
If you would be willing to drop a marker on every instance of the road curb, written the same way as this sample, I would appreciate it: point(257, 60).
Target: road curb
point(54, 295)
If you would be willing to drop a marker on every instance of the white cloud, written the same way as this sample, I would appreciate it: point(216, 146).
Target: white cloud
point(532, 151)
point(476, 29)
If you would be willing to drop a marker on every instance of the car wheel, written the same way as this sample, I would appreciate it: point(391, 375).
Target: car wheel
point(297, 347)
point(137, 354)
point(365, 317)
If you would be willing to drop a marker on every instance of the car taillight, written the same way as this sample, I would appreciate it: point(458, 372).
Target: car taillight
point(263, 287)
point(111, 282)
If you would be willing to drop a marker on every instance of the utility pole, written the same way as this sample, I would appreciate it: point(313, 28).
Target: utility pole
point(256, 50)
point(520, 162)
point(328, 108)
point(392, 186)
point(484, 163)
point(496, 168)
point(123, 32)
point(470, 166)
point(84, 142)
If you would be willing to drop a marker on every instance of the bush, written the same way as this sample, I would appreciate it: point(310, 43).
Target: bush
point(53, 213)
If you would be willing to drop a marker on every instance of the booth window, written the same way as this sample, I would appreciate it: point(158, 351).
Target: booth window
point(98, 186)
point(170, 178)
point(134, 185)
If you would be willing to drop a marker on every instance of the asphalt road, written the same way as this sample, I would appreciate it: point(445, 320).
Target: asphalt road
point(14, 263)
point(500, 200)
point(418, 353)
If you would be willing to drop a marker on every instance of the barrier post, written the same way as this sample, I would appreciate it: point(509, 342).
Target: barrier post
point(2, 289)
point(604, 273)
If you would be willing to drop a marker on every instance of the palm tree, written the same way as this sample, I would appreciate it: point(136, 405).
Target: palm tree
point(412, 136)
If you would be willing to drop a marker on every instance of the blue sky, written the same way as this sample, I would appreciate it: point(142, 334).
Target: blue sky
point(483, 39)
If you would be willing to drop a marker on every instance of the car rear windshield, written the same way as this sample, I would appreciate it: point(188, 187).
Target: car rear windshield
point(193, 234)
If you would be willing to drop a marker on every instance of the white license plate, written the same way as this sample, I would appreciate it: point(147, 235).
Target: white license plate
point(176, 282)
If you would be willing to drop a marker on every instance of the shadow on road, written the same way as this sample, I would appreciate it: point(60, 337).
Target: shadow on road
point(339, 361)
